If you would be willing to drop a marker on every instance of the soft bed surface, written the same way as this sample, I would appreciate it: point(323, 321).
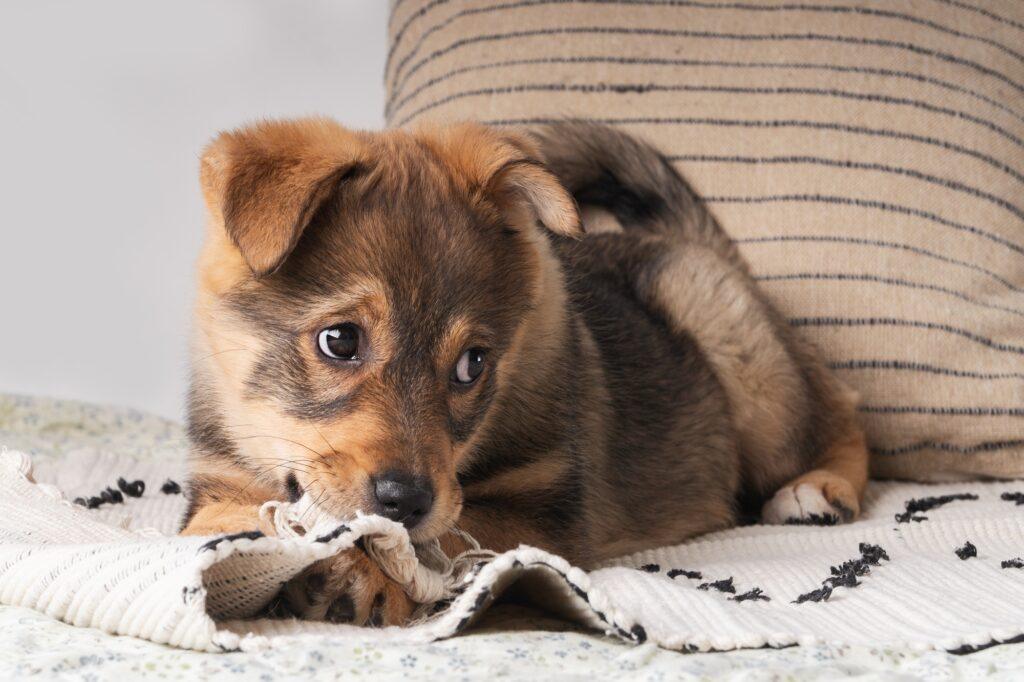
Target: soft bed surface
point(510, 640)
point(33, 645)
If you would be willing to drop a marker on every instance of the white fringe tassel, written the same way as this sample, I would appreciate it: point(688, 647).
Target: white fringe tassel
point(427, 574)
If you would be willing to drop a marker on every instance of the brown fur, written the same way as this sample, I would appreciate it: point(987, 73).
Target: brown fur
point(637, 386)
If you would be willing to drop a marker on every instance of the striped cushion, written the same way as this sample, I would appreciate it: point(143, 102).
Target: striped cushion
point(867, 155)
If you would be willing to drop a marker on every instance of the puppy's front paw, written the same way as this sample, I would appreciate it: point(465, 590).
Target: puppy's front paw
point(347, 588)
point(818, 498)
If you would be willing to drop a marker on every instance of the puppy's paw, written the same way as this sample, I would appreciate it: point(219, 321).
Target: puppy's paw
point(347, 588)
point(819, 498)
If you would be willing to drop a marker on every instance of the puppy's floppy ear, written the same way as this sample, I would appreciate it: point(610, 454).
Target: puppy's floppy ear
point(267, 181)
point(529, 180)
point(522, 174)
point(507, 168)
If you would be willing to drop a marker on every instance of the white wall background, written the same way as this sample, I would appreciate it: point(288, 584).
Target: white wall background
point(104, 108)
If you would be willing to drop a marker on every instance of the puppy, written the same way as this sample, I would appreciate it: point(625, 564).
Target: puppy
point(418, 324)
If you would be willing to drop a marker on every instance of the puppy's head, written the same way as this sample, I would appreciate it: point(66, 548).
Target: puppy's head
point(362, 299)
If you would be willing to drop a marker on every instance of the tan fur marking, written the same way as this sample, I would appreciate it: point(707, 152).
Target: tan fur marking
point(841, 473)
point(228, 498)
point(535, 476)
point(599, 221)
point(226, 517)
point(456, 339)
point(705, 297)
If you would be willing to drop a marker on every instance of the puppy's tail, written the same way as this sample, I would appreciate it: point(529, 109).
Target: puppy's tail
point(613, 171)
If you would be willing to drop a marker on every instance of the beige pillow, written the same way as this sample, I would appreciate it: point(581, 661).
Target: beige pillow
point(866, 155)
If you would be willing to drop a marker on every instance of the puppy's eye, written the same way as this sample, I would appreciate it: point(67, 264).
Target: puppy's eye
point(469, 367)
point(340, 342)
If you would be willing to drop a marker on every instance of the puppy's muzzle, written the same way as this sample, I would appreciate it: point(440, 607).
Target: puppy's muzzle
point(403, 497)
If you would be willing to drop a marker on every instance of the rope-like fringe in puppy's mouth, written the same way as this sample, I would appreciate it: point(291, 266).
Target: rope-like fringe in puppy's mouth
point(428, 576)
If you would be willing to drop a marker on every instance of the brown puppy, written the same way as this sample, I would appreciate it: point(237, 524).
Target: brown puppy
point(416, 324)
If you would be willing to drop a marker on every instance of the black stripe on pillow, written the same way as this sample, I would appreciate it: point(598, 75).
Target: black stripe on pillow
point(400, 81)
point(393, 105)
point(897, 322)
point(902, 365)
point(860, 241)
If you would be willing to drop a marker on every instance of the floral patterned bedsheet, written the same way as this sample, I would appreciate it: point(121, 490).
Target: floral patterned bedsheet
point(511, 641)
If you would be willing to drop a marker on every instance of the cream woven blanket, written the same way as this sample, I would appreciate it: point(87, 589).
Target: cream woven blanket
point(929, 566)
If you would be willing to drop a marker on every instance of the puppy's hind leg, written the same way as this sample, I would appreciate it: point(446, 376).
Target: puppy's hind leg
point(830, 492)
point(791, 415)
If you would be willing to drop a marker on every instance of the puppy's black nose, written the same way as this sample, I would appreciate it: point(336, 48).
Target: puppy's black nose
point(402, 497)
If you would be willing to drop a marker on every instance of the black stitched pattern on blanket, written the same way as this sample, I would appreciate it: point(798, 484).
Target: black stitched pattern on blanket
point(131, 489)
point(1015, 497)
point(923, 504)
point(813, 520)
point(334, 534)
point(113, 495)
point(845, 574)
point(244, 535)
point(724, 585)
point(692, 575)
point(1012, 563)
point(108, 496)
point(967, 551)
point(820, 594)
point(170, 488)
point(755, 594)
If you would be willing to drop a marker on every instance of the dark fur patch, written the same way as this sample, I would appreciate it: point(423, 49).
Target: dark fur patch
point(206, 432)
point(292, 486)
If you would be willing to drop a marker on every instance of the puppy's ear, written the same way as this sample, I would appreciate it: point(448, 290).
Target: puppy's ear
point(527, 179)
point(266, 182)
point(507, 168)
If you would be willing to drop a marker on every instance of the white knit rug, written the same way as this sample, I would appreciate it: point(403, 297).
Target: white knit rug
point(893, 578)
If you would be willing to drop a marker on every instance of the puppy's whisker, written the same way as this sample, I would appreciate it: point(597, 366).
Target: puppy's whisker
point(262, 475)
point(287, 440)
point(253, 481)
point(294, 462)
point(315, 502)
point(328, 506)
point(334, 450)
